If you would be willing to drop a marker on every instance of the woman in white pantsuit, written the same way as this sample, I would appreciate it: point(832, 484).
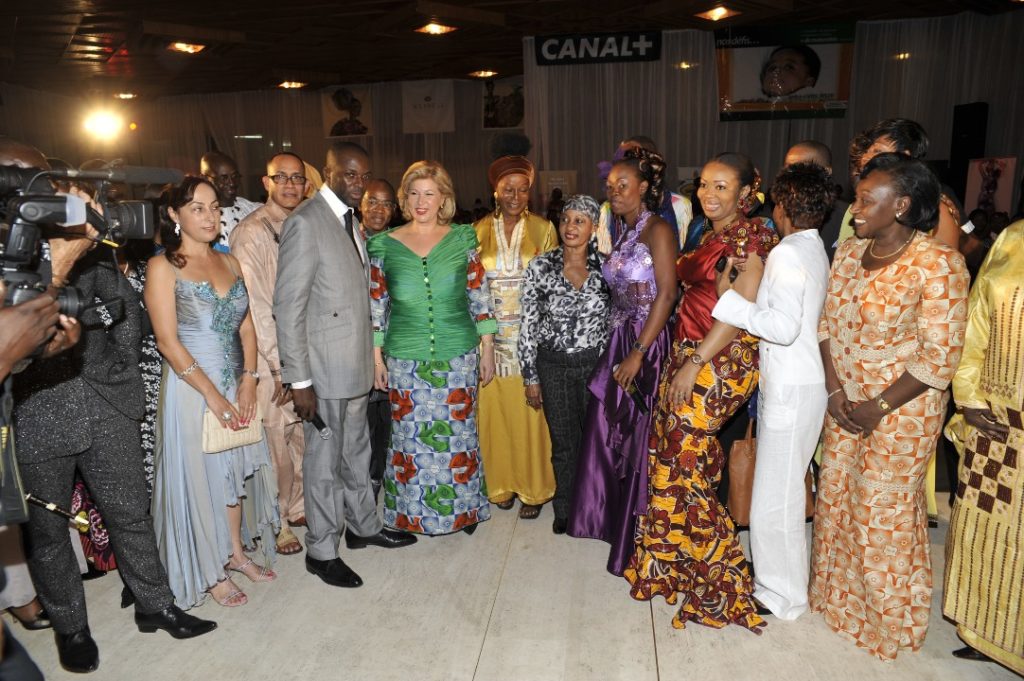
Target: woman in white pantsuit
point(791, 406)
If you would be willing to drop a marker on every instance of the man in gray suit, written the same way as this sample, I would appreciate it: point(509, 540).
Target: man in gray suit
point(322, 308)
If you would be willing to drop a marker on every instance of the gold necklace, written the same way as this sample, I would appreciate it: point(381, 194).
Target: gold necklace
point(871, 248)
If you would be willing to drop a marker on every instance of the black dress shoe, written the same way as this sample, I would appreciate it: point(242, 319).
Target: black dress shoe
point(333, 572)
point(470, 529)
point(969, 653)
point(174, 621)
point(388, 539)
point(761, 610)
point(560, 525)
point(78, 652)
point(93, 573)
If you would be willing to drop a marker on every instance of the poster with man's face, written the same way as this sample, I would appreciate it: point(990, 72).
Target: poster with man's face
point(784, 72)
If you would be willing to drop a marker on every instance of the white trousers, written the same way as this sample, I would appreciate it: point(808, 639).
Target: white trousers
point(789, 423)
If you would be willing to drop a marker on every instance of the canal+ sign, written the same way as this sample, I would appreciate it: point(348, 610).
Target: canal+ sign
point(597, 48)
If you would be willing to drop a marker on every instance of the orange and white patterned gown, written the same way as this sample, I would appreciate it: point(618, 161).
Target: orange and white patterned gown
point(871, 576)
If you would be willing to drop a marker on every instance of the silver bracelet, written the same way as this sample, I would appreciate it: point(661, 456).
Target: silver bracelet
point(190, 369)
point(837, 390)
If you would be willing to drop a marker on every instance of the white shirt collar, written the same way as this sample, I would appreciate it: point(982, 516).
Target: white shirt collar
point(338, 207)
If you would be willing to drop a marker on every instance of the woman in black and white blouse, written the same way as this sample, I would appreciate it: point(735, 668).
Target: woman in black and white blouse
point(564, 329)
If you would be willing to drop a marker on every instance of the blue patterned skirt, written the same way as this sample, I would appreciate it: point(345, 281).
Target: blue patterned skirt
point(434, 479)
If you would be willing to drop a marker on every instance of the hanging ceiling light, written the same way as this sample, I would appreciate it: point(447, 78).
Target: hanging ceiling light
point(718, 13)
point(186, 48)
point(483, 74)
point(435, 28)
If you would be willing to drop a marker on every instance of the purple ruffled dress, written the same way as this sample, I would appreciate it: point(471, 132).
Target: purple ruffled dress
point(610, 488)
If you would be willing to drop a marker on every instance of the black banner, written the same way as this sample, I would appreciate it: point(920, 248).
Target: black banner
point(597, 48)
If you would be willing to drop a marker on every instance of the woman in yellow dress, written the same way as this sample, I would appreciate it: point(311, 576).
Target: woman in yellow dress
point(514, 442)
point(984, 572)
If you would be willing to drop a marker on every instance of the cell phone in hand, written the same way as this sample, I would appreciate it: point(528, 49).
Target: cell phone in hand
point(721, 264)
point(634, 393)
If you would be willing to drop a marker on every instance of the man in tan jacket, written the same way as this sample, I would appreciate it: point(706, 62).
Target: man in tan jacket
point(255, 243)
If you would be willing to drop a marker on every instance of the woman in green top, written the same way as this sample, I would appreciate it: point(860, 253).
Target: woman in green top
point(431, 309)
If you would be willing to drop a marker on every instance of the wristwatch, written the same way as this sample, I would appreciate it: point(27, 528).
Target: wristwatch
point(254, 374)
point(882, 404)
point(695, 358)
point(639, 347)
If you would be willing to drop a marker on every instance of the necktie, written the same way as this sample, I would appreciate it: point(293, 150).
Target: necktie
point(348, 228)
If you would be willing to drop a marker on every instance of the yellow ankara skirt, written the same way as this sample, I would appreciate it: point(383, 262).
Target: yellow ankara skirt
point(514, 444)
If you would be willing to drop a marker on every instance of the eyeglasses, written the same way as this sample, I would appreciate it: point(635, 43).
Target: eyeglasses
point(377, 203)
point(281, 178)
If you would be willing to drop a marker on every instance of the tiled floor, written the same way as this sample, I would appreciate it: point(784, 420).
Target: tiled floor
point(510, 603)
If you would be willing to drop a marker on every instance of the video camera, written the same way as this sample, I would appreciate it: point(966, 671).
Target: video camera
point(28, 203)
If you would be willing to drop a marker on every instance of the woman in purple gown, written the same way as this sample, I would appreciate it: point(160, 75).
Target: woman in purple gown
point(610, 490)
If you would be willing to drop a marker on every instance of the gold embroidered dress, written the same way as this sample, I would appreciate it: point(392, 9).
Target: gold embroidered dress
point(984, 584)
point(514, 441)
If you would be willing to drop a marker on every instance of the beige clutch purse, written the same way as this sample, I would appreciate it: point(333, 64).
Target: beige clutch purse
point(217, 438)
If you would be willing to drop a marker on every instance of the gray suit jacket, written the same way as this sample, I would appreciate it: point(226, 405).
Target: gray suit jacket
point(322, 305)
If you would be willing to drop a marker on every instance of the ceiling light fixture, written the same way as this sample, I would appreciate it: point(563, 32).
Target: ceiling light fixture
point(435, 28)
point(125, 95)
point(483, 74)
point(186, 48)
point(103, 125)
point(685, 65)
point(292, 84)
point(718, 13)
point(901, 56)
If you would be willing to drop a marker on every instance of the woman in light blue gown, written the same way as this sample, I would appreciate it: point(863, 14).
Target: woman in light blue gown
point(200, 312)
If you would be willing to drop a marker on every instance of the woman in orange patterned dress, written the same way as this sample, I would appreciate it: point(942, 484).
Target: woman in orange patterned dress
point(891, 335)
point(687, 550)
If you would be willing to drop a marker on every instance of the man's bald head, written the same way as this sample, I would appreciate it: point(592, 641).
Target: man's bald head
point(809, 151)
point(222, 171)
point(15, 153)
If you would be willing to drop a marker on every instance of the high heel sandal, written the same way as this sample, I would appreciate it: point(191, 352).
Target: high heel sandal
point(235, 597)
point(265, 574)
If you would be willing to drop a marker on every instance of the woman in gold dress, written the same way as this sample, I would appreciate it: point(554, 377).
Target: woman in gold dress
point(514, 442)
point(984, 572)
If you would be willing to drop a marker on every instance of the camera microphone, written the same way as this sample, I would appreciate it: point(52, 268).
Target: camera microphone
point(127, 174)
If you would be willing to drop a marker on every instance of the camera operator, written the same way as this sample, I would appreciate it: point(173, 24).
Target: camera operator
point(80, 411)
point(23, 328)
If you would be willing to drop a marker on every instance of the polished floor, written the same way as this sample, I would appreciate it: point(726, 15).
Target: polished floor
point(510, 603)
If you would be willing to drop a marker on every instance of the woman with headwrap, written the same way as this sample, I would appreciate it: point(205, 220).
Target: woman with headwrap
point(564, 330)
point(514, 442)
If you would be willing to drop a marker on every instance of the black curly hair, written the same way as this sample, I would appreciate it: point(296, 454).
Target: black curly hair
point(649, 166)
point(804, 190)
point(912, 178)
point(176, 198)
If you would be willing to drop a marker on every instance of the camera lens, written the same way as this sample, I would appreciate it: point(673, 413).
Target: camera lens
point(69, 299)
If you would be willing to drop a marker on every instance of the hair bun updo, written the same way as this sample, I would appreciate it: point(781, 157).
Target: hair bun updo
point(650, 166)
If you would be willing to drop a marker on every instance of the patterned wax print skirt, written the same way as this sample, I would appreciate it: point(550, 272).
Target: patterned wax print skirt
point(434, 481)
